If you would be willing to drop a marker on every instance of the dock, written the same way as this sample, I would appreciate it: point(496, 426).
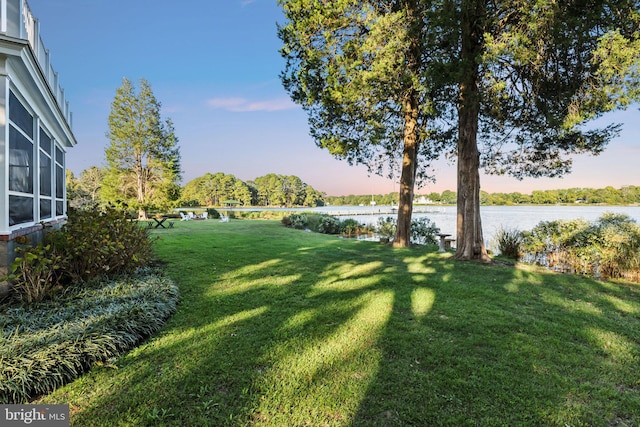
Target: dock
point(374, 211)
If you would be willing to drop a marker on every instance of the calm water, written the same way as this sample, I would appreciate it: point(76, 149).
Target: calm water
point(494, 217)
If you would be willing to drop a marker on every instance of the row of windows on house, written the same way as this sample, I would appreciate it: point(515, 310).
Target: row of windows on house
point(36, 168)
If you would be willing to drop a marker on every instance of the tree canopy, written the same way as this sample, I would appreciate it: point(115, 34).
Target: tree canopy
point(284, 190)
point(213, 189)
point(506, 85)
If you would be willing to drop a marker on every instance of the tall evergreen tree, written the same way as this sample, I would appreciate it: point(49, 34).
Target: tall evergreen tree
point(504, 84)
point(143, 157)
point(358, 69)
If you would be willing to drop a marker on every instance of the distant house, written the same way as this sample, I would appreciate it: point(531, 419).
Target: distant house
point(423, 200)
point(35, 132)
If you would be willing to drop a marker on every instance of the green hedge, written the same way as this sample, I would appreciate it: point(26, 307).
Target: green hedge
point(48, 344)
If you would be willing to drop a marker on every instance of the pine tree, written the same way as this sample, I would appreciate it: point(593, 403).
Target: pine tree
point(143, 157)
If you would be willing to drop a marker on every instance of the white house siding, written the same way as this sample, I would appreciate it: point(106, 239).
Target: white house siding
point(32, 164)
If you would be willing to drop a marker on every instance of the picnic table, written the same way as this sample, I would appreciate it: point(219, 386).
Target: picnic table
point(157, 223)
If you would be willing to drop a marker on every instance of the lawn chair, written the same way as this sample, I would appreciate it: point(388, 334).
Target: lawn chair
point(204, 215)
point(224, 218)
point(184, 217)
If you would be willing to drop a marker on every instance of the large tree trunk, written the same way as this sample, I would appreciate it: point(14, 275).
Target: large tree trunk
point(408, 174)
point(469, 239)
point(142, 213)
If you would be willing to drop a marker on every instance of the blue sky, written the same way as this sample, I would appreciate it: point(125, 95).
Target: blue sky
point(214, 66)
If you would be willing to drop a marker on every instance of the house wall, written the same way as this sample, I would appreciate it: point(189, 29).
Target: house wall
point(25, 71)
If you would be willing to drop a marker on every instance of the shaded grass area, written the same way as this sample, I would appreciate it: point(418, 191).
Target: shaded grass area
point(279, 327)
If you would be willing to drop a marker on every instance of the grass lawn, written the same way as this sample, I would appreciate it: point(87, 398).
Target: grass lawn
point(280, 327)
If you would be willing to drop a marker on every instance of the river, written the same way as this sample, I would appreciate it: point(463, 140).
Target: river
point(493, 217)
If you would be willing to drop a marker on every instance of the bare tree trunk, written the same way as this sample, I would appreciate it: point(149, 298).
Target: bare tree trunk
point(408, 174)
point(469, 239)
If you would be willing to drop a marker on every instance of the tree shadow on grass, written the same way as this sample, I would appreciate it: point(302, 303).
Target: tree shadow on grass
point(250, 314)
point(312, 330)
point(511, 348)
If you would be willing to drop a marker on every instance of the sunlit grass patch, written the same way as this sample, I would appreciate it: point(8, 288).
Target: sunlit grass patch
point(282, 327)
point(325, 378)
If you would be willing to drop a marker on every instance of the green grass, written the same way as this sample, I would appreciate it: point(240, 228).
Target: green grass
point(280, 327)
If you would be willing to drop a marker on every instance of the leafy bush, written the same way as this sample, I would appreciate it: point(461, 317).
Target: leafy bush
point(50, 343)
point(36, 272)
point(213, 213)
point(100, 243)
point(386, 227)
point(423, 231)
point(298, 221)
point(266, 214)
point(508, 242)
point(609, 247)
point(350, 227)
point(90, 244)
point(329, 225)
point(286, 221)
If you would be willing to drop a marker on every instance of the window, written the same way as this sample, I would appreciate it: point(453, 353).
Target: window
point(59, 182)
point(21, 171)
point(19, 115)
point(46, 179)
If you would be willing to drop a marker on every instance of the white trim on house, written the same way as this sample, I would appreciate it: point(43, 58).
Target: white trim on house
point(26, 67)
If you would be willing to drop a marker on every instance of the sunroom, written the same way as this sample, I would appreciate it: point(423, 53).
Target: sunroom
point(35, 133)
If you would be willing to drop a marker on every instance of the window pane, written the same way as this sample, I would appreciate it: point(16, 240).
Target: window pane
point(59, 156)
point(59, 208)
point(20, 210)
point(45, 175)
point(45, 142)
point(20, 162)
point(59, 182)
point(20, 116)
point(45, 208)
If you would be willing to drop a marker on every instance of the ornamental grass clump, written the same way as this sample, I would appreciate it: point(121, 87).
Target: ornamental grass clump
point(48, 344)
point(508, 242)
point(608, 247)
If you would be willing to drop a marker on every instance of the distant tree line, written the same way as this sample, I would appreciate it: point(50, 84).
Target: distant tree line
point(628, 195)
point(220, 189)
point(211, 189)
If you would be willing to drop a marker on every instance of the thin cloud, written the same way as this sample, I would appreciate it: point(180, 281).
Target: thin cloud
point(242, 105)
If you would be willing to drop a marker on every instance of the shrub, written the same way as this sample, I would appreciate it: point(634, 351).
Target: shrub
point(386, 227)
point(350, 227)
point(423, 231)
point(508, 241)
point(609, 247)
point(298, 221)
point(90, 244)
point(329, 225)
point(97, 243)
point(50, 343)
point(35, 272)
point(286, 221)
